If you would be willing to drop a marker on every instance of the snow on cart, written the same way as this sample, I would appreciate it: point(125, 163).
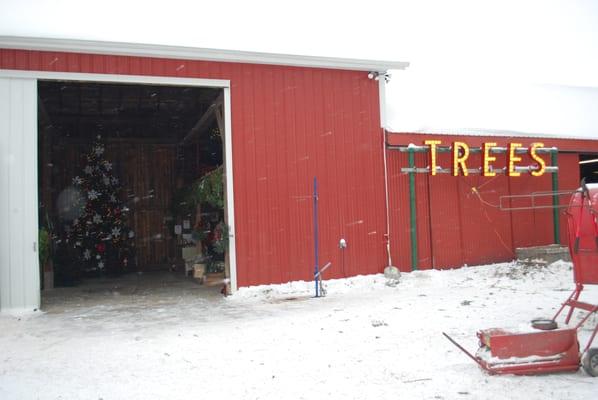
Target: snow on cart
point(545, 345)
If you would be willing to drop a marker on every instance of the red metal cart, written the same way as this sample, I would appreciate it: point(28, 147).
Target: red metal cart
point(544, 346)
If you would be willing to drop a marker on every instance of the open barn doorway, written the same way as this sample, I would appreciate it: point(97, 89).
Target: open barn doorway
point(131, 189)
point(588, 167)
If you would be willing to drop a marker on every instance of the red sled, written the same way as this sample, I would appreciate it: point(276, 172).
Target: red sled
point(544, 347)
point(515, 352)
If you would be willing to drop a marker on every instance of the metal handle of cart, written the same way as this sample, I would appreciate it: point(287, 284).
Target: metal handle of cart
point(320, 291)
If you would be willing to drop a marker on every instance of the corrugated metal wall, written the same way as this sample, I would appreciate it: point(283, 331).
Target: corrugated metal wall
point(19, 274)
point(460, 222)
point(289, 125)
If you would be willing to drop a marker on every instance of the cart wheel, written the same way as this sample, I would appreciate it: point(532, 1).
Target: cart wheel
point(589, 362)
point(544, 324)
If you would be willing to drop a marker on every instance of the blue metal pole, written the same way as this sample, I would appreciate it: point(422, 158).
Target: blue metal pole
point(316, 235)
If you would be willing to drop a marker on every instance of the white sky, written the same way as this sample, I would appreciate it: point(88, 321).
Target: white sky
point(526, 66)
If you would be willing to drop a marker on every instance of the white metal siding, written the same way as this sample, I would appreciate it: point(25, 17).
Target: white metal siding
point(19, 266)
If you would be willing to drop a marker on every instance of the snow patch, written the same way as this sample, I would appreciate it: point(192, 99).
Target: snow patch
point(364, 340)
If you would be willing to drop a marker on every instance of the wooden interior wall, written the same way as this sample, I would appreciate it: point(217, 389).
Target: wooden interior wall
point(147, 174)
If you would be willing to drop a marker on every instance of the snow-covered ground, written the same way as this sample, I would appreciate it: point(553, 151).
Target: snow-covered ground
point(365, 340)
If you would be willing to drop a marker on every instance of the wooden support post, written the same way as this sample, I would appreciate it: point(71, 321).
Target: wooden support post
point(204, 120)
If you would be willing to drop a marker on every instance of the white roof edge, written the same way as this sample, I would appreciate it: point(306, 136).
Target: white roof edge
point(193, 53)
point(487, 132)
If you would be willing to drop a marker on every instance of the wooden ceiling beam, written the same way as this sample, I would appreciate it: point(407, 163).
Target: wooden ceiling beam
point(85, 141)
point(204, 120)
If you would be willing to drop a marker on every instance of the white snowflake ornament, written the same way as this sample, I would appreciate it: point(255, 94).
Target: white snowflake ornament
point(108, 165)
point(87, 254)
point(99, 150)
point(114, 181)
point(113, 198)
point(116, 232)
point(77, 180)
point(88, 170)
point(101, 265)
point(93, 194)
point(97, 219)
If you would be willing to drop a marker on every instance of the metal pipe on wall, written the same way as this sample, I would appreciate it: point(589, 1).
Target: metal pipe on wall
point(555, 198)
point(387, 235)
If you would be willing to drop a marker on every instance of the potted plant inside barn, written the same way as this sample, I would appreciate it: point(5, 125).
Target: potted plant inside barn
point(209, 191)
point(205, 197)
point(45, 259)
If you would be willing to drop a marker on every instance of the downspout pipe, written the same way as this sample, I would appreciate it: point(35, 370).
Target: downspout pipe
point(316, 244)
point(387, 234)
point(555, 198)
point(383, 77)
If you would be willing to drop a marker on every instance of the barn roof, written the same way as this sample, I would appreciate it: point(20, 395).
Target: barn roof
point(193, 53)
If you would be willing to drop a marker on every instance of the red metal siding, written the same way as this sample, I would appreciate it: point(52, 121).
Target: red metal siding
point(424, 249)
point(568, 180)
point(289, 124)
point(398, 199)
point(446, 219)
point(485, 228)
point(466, 226)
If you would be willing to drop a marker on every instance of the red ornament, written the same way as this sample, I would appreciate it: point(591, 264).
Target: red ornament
point(101, 247)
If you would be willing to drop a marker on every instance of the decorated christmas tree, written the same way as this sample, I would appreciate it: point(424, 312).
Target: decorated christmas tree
point(99, 233)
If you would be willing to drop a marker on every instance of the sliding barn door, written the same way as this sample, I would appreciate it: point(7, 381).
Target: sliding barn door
point(19, 265)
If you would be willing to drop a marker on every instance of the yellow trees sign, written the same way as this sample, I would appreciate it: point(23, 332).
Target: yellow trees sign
point(460, 153)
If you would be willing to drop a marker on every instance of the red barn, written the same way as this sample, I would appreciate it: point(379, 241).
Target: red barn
point(281, 120)
point(284, 119)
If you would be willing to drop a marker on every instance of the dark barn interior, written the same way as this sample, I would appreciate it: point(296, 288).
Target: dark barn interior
point(158, 141)
point(588, 167)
